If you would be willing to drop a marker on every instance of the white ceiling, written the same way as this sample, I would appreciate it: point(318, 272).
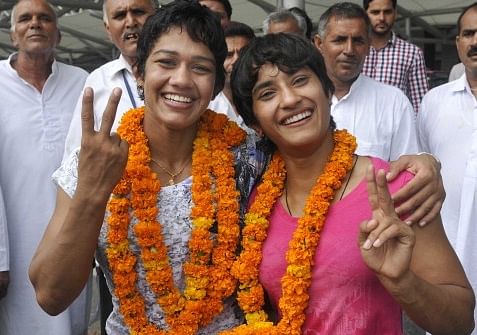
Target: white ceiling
point(85, 43)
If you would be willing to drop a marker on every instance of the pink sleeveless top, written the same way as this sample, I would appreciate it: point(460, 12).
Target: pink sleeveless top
point(346, 298)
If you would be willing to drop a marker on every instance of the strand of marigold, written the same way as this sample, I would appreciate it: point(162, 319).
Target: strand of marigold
point(184, 314)
point(297, 278)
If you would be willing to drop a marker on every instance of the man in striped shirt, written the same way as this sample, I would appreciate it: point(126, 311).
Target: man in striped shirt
point(392, 60)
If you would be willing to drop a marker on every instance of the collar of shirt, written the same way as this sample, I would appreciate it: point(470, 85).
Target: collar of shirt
point(119, 65)
point(13, 56)
point(391, 43)
point(356, 83)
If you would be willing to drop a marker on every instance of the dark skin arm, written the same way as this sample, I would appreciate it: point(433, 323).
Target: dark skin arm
point(62, 262)
point(409, 263)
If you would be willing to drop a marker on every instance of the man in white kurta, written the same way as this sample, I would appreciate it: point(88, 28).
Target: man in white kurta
point(37, 97)
point(380, 116)
point(447, 127)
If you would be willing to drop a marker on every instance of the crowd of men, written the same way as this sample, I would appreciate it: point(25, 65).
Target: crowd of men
point(381, 96)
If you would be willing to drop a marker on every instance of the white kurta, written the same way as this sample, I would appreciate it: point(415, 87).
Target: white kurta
point(33, 128)
point(447, 128)
point(380, 116)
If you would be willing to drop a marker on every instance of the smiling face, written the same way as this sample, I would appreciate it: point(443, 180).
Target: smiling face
point(466, 42)
point(292, 110)
point(179, 80)
point(124, 21)
point(382, 15)
point(35, 28)
point(344, 48)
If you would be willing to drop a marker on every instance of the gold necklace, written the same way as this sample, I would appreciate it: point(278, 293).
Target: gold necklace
point(172, 175)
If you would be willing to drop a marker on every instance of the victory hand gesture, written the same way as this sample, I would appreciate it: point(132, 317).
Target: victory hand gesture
point(103, 155)
point(386, 242)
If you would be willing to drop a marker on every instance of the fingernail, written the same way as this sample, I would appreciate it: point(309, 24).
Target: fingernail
point(117, 91)
point(409, 223)
point(422, 223)
point(367, 244)
point(377, 243)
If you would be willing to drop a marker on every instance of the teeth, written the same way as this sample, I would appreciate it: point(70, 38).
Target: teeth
point(131, 36)
point(296, 118)
point(177, 98)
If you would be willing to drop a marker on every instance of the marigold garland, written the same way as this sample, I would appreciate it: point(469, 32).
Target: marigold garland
point(302, 246)
point(207, 272)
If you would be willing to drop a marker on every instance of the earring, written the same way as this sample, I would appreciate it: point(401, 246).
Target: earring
point(140, 91)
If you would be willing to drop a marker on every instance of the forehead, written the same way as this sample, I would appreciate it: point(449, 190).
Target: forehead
point(115, 5)
point(355, 27)
point(178, 42)
point(287, 26)
point(213, 5)
point(30, 7)
point(236, 42)
point(380, 4)
point(469, 20)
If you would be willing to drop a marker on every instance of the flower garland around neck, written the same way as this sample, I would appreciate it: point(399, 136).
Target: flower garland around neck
point(301, 249)
point(208, 278)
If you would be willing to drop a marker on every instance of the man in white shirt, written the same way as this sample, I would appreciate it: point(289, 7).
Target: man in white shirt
point(37, 96)
point(237, 36)
point(447, 127)
point(379, 115)
point(123, 21)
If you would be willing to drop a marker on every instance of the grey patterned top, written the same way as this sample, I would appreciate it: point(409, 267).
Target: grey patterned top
point(175, 203)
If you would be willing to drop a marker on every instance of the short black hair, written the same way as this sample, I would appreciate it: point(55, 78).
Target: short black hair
point(366, 4)
point(227, 7)
point(459, 19)
point(200, 23)
point(234, 28)
point(303, 14)
point(342, 10)
point(289, 52)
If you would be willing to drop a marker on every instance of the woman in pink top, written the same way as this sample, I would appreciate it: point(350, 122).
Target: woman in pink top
point(366, 265)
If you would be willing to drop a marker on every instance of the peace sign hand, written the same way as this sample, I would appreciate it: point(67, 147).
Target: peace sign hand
point(385, 241)
point(103, 155)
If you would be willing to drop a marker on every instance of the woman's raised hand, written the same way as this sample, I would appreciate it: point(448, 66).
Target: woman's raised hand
point(385, 241)
point(103, 155)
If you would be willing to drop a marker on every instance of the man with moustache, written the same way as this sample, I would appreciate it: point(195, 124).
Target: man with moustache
point(447, 128)
point(123, 21)
point(392, 60)
point(379, 115)
point(37, 96)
